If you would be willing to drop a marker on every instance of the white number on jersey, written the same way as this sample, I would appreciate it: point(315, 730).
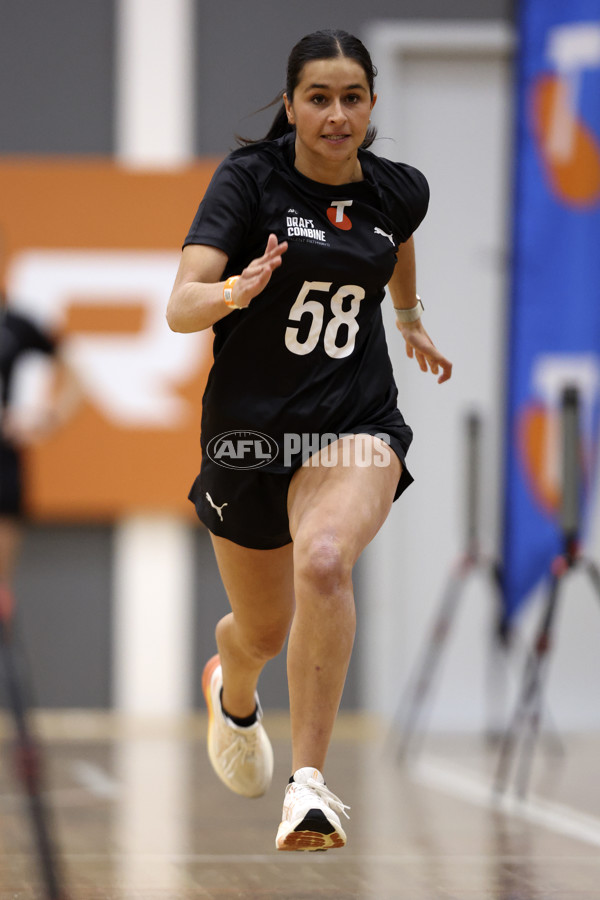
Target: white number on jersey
point(315, 309)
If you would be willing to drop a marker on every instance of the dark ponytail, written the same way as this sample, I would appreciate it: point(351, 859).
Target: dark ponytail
point(279, 125)
point(326, 44)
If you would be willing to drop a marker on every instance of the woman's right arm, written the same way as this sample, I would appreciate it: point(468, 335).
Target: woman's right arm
point(196, 301)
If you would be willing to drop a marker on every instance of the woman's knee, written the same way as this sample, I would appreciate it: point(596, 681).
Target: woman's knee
point(322, 560)
point(268, 644)
point(262, 644)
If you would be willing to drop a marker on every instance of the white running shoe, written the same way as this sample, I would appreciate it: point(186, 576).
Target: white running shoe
point(241, 757)
point(310, 814)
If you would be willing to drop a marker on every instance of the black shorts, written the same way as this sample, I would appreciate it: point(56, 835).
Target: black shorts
point(249, 506)
point(11, 481)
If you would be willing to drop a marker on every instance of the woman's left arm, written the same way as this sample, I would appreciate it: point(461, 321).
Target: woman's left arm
point(65, 396)
point(403, 289)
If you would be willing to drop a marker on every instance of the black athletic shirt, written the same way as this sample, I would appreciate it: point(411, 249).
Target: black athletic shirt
point(309, 354)
point(18, 335)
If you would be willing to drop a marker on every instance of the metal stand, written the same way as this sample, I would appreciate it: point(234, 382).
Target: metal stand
point(525, 725)
point(28, 759)
point(472, 560)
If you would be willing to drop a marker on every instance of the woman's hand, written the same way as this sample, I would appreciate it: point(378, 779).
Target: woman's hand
point(403, 289)
point(25, 428)
point(196, 301)
point(420, 346)
point(255, 277)
point(59, 402)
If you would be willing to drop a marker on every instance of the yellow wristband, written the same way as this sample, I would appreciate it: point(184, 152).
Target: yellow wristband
point(228, 292)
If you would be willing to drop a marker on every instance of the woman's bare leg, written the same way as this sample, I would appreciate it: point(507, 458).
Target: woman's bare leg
point(334, 513)
point(259, 585)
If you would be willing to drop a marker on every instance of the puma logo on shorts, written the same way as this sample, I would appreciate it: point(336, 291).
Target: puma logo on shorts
point(214, 506)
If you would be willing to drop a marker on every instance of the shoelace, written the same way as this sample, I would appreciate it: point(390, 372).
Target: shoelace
point(325, 794)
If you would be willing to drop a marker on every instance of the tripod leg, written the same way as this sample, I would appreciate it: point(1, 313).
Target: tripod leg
point(594, 574)
point(528, 706)
point(28, 760)
point(500, 644)
point(412, 704)
point(530, 738)
point(552, 738)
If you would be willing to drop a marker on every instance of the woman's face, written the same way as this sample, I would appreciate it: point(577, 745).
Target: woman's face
point(330, 109)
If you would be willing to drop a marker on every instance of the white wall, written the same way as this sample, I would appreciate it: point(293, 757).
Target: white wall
point(446, 101)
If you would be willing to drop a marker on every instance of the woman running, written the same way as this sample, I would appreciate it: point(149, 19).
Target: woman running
point(304, 447)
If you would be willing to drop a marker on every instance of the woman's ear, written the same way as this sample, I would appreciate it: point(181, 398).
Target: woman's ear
point(289, 110)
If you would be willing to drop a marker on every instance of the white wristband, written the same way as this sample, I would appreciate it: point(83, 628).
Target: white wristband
point(412, 313)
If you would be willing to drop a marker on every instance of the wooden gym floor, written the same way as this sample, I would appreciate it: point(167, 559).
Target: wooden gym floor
point(140, 816)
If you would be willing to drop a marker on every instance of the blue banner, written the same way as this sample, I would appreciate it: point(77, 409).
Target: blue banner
point(555, 316)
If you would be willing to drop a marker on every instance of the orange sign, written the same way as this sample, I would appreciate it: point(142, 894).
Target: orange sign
point(92, 250)
point(569, 149)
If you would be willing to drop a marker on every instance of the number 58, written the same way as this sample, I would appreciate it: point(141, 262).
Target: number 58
point(315, 309)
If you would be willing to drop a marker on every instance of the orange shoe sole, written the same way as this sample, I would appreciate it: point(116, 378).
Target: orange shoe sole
point(207, 675)
point(311, 840)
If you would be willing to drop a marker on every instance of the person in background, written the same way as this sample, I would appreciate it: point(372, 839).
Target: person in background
point(288, 259)
point(20, 336)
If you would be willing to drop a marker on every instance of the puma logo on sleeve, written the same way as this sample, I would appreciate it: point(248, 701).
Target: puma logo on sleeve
point(390, 237)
